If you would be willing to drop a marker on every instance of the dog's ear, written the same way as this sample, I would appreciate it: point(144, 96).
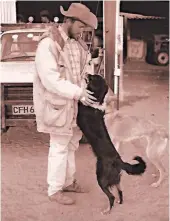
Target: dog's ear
point(103, 93)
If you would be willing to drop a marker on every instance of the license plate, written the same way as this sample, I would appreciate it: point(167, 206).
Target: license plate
point(22, 109)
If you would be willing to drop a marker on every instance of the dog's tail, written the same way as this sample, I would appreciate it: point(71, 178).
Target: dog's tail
point(135, 169)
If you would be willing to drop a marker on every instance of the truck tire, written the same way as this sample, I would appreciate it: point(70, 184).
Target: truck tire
point(162, 58)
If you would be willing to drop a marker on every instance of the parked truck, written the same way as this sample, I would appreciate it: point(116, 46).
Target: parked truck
point(158, 49)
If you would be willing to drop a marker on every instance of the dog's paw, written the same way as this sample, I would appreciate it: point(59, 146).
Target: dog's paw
point(106, 211)
point(120, 202)
point(155, 185)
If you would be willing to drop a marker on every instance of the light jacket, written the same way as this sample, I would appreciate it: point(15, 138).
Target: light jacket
point(55, 94)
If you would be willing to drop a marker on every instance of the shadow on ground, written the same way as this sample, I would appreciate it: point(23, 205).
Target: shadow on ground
point(130, 100)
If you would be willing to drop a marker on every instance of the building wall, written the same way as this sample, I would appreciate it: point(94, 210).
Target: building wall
point(8, 11)
point(143, 29)
point(33, 8)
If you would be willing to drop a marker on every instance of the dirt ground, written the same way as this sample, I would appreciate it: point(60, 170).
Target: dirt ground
point(24, 168)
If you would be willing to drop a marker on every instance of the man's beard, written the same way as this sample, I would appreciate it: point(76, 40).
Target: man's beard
point(71, 35)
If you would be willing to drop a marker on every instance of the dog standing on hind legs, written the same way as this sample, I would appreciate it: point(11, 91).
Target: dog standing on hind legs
point(108, 173)
point(109, 163)
point(104, 185)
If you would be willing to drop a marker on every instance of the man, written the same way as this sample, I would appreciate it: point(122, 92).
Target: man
point(45, 16)
point(61, 60)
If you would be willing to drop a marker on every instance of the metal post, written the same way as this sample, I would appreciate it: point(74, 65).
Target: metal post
point(110, 28)
point(118, 90)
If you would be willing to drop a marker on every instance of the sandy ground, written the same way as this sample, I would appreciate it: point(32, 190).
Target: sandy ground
point(24, 168)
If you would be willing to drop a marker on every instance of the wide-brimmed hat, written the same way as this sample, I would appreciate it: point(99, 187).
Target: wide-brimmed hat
point(82, 13)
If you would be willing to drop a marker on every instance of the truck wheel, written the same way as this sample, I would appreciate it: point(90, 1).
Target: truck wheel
point(162, 58)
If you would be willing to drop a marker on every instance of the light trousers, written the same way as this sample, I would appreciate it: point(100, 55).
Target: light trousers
point(61, 160)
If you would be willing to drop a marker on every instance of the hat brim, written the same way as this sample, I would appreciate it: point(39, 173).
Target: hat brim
point(89, 20)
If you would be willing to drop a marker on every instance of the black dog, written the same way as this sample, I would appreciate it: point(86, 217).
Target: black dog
point(109, 163)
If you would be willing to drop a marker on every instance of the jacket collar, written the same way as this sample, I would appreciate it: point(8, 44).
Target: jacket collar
point(63, 34)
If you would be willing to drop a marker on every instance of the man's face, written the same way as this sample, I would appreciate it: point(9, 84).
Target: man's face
point(75, 29)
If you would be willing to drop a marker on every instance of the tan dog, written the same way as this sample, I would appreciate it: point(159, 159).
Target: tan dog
point(122, 128)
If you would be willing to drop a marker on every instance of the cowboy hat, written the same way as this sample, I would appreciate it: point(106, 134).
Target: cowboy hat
point(82, 13)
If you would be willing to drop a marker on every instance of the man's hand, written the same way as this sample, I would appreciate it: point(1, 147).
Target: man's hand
point(87, 99)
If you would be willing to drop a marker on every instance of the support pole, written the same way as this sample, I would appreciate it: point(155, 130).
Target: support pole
point(109, 26)
point(118, 71)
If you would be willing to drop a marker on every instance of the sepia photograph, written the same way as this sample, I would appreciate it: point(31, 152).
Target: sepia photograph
point(84, 110)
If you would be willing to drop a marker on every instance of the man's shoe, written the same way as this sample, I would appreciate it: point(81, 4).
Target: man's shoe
point(75, 187)
point(61, 198)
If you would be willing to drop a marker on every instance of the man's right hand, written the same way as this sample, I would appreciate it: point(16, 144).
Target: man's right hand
point(86, 98)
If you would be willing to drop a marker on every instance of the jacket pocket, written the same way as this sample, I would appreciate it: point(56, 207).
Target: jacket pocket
point(54, 99)
point(55, 115)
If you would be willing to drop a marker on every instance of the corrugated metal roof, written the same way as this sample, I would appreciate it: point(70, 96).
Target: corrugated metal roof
point(138, 16)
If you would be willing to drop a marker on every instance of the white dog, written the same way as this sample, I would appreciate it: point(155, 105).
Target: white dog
point(122, 128)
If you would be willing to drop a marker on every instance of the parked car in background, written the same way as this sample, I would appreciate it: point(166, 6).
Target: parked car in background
point(18, 48)
point(158, 50)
